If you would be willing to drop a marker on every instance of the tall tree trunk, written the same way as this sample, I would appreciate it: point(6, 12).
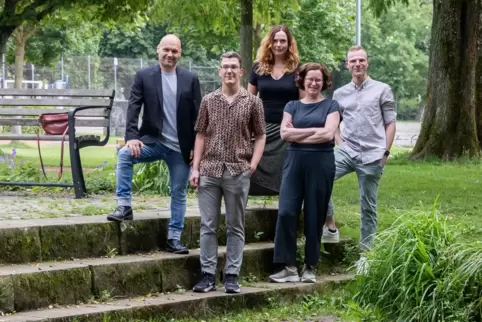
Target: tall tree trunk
point(478, 75)
point(256, 39)
point(21, 35)
point(246, 35)
point(19, 56)
point(449, 127)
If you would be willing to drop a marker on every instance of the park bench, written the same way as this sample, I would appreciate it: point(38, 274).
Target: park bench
point(85, 107)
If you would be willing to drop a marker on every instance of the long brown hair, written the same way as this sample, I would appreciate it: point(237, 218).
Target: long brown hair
point(265, 57)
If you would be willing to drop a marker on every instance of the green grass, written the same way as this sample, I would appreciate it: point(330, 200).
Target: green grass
point(311, 308)
point(91, 157)
point(406, 188)
point(415, 185)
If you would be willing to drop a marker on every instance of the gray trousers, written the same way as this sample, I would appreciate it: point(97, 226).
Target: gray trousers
point(235, 192)
point(368, 179)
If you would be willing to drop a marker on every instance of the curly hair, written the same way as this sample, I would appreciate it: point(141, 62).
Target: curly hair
point(265, 57)
point(305, 68)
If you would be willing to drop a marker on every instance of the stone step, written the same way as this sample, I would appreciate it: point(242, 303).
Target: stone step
point(36, 240)
point(33, 286)
point(183, 304)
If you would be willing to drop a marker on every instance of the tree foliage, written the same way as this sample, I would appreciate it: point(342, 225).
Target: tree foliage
point(323, 29)
point(381, 7)
point(224, 17)
point(14, 13)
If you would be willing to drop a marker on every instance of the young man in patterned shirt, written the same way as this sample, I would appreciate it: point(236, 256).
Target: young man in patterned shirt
point(224, 160)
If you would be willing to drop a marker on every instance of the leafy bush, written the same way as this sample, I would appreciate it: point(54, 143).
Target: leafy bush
point(409, 109)
point(12, 170)
point(101, 179)
point(151, 178)
point(418, 272)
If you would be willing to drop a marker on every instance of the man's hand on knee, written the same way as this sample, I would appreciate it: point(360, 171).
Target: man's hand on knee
point(135, 146)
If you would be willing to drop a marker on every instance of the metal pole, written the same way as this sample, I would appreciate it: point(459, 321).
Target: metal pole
point(88, 69)
point(115, 75)
point(33, 75)
point(190, 65)
point(358, 21)
point(141, 62)
point(4, 72)
point(62, 66)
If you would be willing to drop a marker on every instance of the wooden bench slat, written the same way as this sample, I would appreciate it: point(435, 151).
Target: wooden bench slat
point(55, 102)
point(32, 137)
point(34, 122)
point(57, 92)
point(38, 111)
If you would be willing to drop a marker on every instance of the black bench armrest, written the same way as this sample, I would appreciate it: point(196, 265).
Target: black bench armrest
point(81, 108)
point(88, 140)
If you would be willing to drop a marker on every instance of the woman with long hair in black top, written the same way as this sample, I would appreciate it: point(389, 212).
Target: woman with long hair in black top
point(274, 77)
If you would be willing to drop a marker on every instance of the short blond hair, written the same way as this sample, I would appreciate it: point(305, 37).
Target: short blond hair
point(356, 48)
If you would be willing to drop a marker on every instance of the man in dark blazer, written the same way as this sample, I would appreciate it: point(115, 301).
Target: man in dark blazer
point(171, 97)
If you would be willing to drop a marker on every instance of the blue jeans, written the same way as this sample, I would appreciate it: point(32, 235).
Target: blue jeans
point(178, 176)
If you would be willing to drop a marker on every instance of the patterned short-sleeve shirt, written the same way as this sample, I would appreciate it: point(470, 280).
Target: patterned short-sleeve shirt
point(228, 129)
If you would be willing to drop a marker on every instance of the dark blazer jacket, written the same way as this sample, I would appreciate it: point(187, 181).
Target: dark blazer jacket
point(147, 91)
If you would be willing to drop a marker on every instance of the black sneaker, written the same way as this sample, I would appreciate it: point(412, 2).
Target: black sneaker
point(121, 213)
point(231, 284)
point(207, 284)
point(175, 246)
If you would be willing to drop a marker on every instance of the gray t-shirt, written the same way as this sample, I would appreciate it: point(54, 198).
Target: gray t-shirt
point(169, 125)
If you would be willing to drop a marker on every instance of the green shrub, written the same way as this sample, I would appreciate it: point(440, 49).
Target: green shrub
point(101, 179)
point(419, 272)
point(151, 177)
point(408, 109)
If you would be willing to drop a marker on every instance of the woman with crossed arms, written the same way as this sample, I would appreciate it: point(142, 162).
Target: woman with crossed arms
point(309, 125)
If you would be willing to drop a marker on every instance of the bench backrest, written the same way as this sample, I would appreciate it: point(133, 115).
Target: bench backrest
point(69, 98)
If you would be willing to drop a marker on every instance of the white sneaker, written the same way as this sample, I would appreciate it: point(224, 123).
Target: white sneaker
point(362, 266)
point(329, 237)
point(308, 275)
point(285, 275)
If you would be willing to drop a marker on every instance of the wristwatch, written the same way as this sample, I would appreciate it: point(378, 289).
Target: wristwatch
point(387, 153)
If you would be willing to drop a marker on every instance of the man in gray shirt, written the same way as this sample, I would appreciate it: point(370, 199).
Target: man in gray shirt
point(369, 124)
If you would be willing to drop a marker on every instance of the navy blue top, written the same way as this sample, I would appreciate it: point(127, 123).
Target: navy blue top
point(311, 115)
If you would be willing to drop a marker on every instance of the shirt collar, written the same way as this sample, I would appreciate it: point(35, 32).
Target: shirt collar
point(242, 92)
point(363, 85)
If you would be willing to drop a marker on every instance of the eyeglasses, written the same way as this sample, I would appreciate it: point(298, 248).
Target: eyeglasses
point(311, 80)
point(232, 67)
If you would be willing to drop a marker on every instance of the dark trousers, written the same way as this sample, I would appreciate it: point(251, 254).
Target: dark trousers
point(307, 178)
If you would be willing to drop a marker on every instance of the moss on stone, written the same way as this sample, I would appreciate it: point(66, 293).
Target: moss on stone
point(37, 290)
point(258, 263)
point(140, 236)
point(6, 294)
point(127, 279)
point(181, 271)
point(78, 241)
point(203, 308)
point(260, 221)
point(20, 245)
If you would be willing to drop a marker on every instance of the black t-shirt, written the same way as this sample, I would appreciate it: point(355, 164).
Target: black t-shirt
point(311, 115)
point(274, 93)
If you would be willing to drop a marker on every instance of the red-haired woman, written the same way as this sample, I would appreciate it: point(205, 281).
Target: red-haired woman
point(274, 77)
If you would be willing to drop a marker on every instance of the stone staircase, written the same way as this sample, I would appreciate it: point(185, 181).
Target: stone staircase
point(88, 269)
